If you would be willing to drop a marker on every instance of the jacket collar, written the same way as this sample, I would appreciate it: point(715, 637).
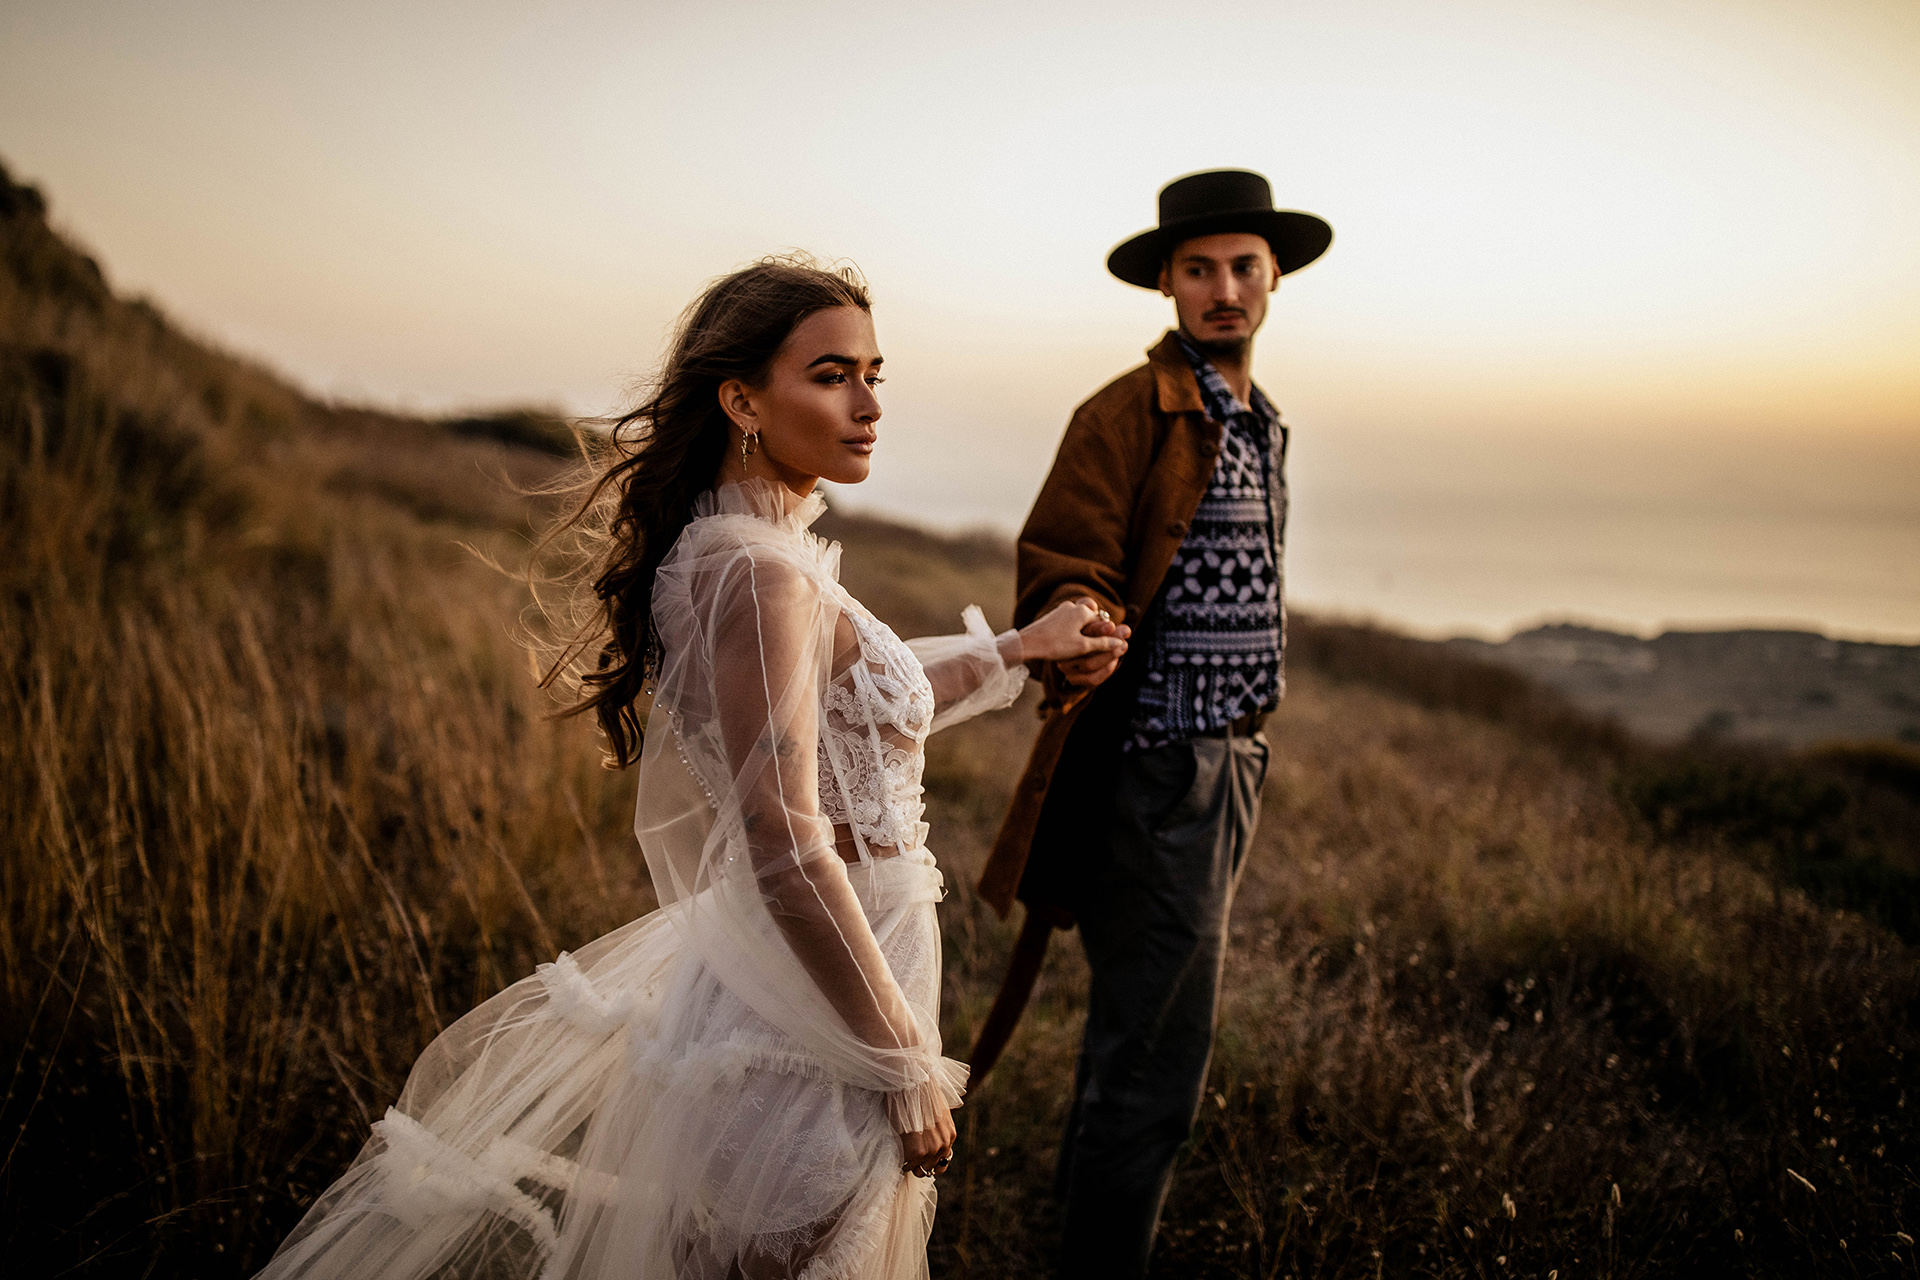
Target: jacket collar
point(1173, 379)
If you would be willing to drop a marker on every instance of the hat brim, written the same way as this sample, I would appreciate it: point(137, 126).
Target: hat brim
point(1296, 240)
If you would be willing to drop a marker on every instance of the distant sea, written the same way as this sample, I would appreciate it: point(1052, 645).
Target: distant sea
point(1440, 564)
point(1488, 568)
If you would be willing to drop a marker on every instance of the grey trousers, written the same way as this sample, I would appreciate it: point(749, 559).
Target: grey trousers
point(1153, 919)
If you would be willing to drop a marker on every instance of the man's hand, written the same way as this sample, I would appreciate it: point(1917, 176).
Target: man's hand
point(1087, 673)
point(1103, 645)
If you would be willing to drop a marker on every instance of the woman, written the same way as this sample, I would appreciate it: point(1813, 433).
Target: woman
point(739, 1084)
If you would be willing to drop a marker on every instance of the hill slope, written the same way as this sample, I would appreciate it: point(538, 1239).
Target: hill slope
point(1511, 993)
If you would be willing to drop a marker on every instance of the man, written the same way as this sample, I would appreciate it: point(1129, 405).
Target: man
point(1167, 505)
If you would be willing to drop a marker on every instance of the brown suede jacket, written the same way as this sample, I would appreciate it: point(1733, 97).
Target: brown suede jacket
point(1130, 472)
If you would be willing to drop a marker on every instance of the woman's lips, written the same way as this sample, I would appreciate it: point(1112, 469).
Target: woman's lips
point(861, 444)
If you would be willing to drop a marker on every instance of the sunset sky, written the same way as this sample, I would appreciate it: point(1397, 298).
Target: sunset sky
point(1621, 321)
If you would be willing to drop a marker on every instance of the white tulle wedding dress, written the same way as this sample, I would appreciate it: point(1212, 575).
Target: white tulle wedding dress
point(714, 1090)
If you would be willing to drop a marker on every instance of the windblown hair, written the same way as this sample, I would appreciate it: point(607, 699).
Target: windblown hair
point(654, 462)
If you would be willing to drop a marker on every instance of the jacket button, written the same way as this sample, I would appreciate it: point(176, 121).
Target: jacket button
point(1178, 528)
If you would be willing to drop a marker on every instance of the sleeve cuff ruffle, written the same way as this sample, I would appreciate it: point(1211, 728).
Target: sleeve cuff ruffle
point(911, 1110)
point(998, 684)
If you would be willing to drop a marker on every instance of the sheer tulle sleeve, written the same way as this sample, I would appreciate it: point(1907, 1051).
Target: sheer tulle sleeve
point(969, 672)
point(767, 900)
point(769, 661)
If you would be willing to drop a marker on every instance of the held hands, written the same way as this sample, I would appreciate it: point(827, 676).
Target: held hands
point(1081, 637)
point(926, 1152)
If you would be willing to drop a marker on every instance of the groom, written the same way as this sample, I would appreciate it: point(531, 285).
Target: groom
point(1167, 504)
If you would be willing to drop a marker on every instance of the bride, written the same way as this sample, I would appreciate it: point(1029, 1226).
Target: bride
point(738, 1084)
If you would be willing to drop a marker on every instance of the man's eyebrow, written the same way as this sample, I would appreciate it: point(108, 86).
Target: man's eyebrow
point(835, 358)
point(1236, 260)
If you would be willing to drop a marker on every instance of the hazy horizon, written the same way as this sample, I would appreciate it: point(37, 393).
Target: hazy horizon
point(1621, 321)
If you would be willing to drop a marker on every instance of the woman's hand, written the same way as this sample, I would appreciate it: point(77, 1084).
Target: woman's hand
point(1081, 637)
point(927, 1152)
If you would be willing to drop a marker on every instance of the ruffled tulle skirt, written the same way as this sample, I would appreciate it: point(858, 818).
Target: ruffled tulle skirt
point(621, 1114)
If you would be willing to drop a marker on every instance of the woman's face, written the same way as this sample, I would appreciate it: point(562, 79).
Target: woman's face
point(817, 411)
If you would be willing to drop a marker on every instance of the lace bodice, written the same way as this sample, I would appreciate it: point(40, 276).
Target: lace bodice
point(875, 717)
point(879, 697)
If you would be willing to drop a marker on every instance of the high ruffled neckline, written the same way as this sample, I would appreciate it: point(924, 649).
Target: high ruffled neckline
point(774, 503)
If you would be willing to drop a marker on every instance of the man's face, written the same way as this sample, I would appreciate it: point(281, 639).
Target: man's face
point(1219, 286)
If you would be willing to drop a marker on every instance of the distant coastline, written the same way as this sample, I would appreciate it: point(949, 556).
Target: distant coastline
point(1784, 688)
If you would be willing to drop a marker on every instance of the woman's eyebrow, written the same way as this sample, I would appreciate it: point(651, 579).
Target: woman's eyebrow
point(833, 358)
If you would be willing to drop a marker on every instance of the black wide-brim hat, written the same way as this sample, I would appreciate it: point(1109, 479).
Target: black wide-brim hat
point(1206, 204)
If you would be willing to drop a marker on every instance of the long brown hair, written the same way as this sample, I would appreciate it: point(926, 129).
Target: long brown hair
point(655, 461)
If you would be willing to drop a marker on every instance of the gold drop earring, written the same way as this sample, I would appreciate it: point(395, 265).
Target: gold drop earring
point(749, 444)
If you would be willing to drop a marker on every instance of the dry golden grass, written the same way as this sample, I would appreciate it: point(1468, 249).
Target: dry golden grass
point(1509, 995)
point(281, 795)
point(1467, 999)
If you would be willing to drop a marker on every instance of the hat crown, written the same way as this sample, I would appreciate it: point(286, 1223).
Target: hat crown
point(1218, 191)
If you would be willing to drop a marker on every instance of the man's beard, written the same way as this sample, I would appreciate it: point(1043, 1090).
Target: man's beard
point(1230, 348)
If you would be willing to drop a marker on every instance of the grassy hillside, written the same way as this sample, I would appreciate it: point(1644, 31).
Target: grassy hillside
point(1511, 994)
point(280, 796)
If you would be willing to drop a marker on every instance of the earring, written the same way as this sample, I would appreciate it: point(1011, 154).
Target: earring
point(749, 444)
